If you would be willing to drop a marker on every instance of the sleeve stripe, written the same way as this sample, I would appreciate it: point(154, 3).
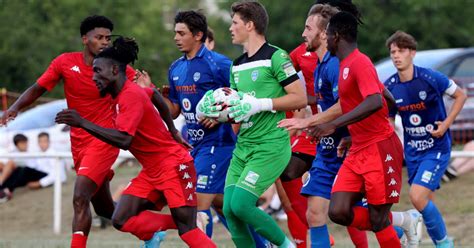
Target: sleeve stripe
point(289, 80)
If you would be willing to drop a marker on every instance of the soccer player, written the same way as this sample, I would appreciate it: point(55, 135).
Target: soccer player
point(93, 158)
point(168, 174)
point(373, 166)
point(419, 97)
point(267, 79)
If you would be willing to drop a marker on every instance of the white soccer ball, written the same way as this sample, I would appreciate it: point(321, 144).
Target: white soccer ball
point(223, 96)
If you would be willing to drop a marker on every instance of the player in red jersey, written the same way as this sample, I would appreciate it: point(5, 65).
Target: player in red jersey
point(373, 166)
point(168, 175)
point(92, 157)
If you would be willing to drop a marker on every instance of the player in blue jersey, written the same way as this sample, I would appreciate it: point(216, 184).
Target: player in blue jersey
point(418, 93)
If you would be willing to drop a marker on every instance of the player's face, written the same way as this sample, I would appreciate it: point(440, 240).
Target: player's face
point(43, 143)
point(104, 75)
point(238, 30)
point(97, 40)
point(184, 38)
point(331, 40)
point(402, 58)
point(22, 146)
point(312, 34)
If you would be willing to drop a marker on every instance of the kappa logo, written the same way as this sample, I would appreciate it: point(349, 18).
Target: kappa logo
point(307, 54)
point(345, 73)
point(196, 76)
point(76, 69)
point(186, 176)
point(388, 158)
point(392, 182)
point(390, 170)
point(394, 194)
point(254, 75)
point(189, 185)
point(298, 241)
point(422, 95)
point(183, 167)
point(190, 197)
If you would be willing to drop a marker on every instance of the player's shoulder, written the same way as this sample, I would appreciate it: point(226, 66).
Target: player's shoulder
point(391, 81)
point(177, 62)
point(68, 57)
point(277, 52)
point(299, 50)
point(132, 90)
point(429, 74)
point(214, 58)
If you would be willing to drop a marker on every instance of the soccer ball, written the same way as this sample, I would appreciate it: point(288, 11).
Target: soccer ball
point(223, 96)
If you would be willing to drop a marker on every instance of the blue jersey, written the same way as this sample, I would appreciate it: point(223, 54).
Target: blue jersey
point(189, 80)
point(420, 104)
point(326, 77)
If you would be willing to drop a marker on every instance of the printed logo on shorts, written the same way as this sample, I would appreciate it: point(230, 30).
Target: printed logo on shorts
point(183, 167)
point(394, 194)
point(390, 170)
point(392, 182)
point(306, 181)
point(254, 75)
point(252, 177)
point(388, 158)
point(190, 197)
point(189, 185)
point(196, 76)
point(345, 73)
point(186, 104)
point(202, 180)
point(415, 119)
point(186, 176)
point(426, 177)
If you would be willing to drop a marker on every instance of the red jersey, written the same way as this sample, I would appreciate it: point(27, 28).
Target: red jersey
point(152, 144)
point(305, 62)
point(81, 93)
point(357, 80)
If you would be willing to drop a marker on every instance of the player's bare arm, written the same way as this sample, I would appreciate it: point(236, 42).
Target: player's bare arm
point(28, 97)
point(114, 137)
point(459, 99)
point(389, 99)
point(329, 115)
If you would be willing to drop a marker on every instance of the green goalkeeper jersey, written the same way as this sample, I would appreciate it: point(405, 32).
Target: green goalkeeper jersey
point(264, 75)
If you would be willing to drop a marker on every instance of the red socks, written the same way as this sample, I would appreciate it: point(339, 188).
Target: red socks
point(147, 223)
point(388, 238)
point(299, 203)
point(358, 237)
point(197, 239)
point(298, 229)
point(78, 241)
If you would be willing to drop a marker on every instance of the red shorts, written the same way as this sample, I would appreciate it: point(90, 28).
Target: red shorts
point(375, 170)
point(95, 161)
point(175, 186)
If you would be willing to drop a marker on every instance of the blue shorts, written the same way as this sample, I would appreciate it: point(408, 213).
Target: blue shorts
point(320, 179)
point(211, 165)
point(428, 169)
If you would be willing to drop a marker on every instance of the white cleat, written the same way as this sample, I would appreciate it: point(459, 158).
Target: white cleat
point(412, 228)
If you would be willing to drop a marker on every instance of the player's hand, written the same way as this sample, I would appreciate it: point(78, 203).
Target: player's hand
point(442, 128)
point(293, 124)
point(69, 117)
point(165, 91)
point(206, 107)
point(208, 123)
point(177, 136)
point(247, 106)
point(142, 78)
point(321, 130)
point(9, 115)
point(343, 147)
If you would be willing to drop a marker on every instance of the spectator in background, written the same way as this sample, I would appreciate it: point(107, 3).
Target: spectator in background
point(34, 173)
point(210, 43)
point(460, 165)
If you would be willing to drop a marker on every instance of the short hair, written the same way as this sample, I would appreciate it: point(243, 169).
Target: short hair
point(402, 40)
point(252, 11)
point(345, 24)
point(43, 134)
point(124, 51)
point(325, 11)
point(344, 5)
point(95, 21)
point(19, 138)
point(195, 21)
point(210, 34)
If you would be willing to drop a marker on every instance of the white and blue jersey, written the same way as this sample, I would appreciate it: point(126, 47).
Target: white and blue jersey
point(189, 80)
point(326, 164)
point(420, 104)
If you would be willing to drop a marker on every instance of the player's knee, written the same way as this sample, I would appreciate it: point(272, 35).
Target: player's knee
point(241, 209)
point(118, 222)
point(379, 222)
point(315, 218)
point(418, 199)
point(339, 216)
point(81, 200)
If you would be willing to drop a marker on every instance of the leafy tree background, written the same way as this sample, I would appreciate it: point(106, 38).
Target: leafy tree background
point(33, 32)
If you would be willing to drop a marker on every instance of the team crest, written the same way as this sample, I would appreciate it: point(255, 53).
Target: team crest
point(254, 75)
point(422, 95)
point(345, 73)
point(196, 76)
point(186, 104)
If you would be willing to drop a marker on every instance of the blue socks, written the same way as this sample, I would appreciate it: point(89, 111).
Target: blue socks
point(434, 222)
point(319, 237)
point(209, 226)
point(399, 231)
